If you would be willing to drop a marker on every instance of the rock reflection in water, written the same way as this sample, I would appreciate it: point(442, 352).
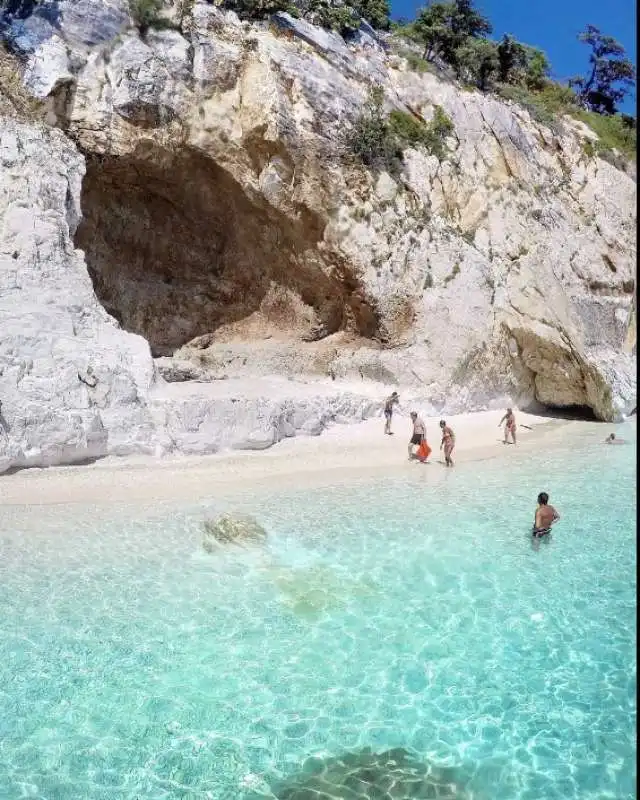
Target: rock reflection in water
point(364, 775)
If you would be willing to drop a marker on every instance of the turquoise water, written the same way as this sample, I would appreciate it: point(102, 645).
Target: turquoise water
point(406, 616)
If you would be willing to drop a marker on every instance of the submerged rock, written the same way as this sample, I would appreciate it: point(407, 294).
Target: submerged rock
point(364, 775)
point(232, 529)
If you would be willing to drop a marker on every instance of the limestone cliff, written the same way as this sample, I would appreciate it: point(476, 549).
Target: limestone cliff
point(203, 172)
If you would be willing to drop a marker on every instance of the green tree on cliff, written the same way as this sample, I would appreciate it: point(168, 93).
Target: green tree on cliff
point(444, 27)
point(611, 74)
point(521, 64)
point(376, 12)
point(477, 62)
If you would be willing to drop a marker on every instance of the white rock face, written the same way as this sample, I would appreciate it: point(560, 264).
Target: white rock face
point(254, 414)
point(504, 273)
point(516, 238)
point(73, 386)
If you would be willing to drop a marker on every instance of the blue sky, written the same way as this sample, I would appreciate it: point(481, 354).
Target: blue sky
point(552, 25)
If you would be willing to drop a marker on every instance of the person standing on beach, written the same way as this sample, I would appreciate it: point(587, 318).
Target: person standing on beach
point(390, 402)
point(509, 420)
point(419, 434)
point(545, 517)
point(448, 442)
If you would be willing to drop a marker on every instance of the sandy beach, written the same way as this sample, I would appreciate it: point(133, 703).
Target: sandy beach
point(341, 453)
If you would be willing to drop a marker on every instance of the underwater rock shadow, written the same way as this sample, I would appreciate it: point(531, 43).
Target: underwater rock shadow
point(309, 592)
point(393, 774)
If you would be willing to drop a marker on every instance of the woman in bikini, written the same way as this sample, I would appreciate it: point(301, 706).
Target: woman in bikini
point(510, 426)
point(448, 442)
point(389, 403)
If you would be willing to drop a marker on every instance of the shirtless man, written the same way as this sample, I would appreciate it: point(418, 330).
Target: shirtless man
point(545, 517)
point(390, 402)
point(509, 420)
point(418, 435)
point(611, 439)
point(448, 442)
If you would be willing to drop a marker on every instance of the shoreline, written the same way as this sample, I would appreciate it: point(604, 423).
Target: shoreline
point(341, 453)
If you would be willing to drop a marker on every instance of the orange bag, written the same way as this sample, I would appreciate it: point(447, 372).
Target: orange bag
point(423, 451)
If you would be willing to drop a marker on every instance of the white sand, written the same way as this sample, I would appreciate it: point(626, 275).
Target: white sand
point(343, 452)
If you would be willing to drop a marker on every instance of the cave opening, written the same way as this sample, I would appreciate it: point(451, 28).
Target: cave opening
point(176, 249)
point(579, 413)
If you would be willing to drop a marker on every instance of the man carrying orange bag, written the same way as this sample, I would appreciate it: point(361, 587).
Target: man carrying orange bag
point(419, 439)
point(423, 451)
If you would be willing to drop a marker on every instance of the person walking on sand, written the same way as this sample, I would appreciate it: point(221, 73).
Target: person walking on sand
point(509, 420)
point(545, 517)
point(389, 403)
point(418, 435)
point(448, 442)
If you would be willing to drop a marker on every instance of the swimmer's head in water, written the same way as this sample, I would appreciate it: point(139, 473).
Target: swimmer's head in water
point(612, 436)
point(543, 498)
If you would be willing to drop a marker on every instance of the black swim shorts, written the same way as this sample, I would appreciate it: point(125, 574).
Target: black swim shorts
point(538, 533)
point(416, 438)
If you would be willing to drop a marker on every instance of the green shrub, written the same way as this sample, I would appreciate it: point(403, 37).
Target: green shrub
point(416, 63)
point(371, 140)
point(341, 19)
point(613, 132)
point(545, 106)
point(437, 131)
point(259, 9)
point(441, 125)
point(408, 130)
point(403, 28)
point(477, 62)
point(379, 141)
point(146, 14)
point(376, 12)
point(338, 18)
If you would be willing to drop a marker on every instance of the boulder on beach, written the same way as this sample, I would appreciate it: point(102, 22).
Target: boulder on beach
point(238, 529)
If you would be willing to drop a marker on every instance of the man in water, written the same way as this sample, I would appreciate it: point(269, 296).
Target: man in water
point(448, 442)
point(611, 439)
point(419, 433)
point(509, 420)
point(545, 517)
point(390, 402)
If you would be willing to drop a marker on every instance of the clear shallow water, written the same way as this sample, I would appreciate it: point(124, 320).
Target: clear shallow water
point(398, 615)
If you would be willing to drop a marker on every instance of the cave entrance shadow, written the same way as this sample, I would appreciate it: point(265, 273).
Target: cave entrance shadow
point(573, 413)
point(176, 248)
